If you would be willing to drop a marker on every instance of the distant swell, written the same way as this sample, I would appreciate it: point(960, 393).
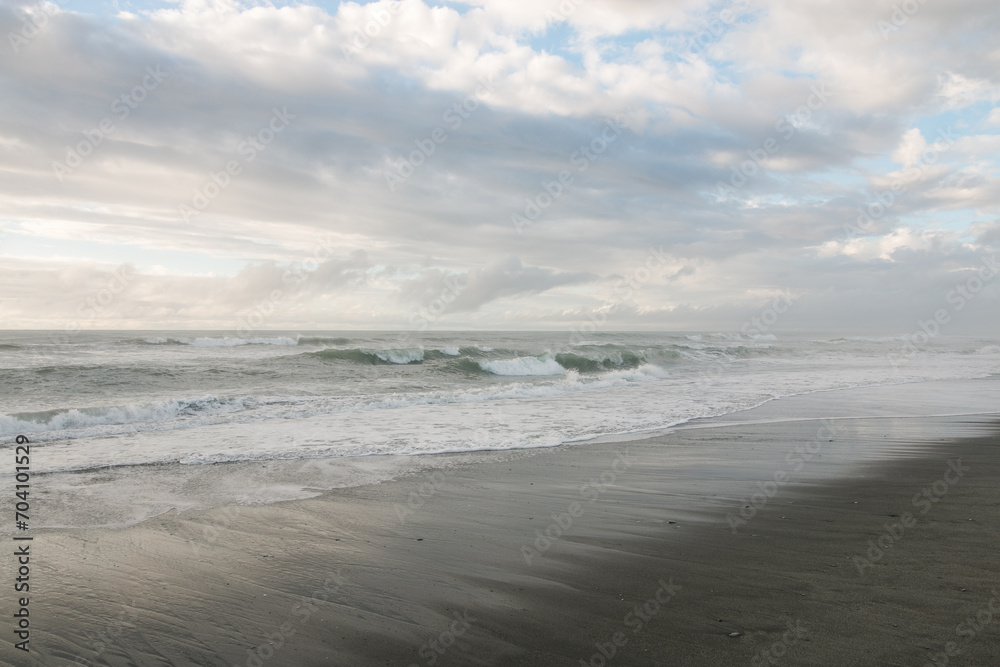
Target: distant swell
point(400, 356)
point(549, 365)
point(317, 340)
point(225, 341)
point(373, 357)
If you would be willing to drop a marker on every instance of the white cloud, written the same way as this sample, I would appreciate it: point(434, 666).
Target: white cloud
point(957, 91)
point(911, 146)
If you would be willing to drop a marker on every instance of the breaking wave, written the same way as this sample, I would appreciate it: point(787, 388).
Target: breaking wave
point(413, 355)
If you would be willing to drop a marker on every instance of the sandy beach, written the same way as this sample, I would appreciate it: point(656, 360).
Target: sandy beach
point(801, 541)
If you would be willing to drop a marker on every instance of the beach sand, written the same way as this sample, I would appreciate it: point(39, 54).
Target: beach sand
point(643, 552)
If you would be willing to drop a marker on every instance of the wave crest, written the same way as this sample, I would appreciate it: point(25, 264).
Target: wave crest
point(413, 355)
point(65, 419)
point(523, 366)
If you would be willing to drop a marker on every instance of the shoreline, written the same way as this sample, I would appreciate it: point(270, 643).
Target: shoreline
point(618, 552)
point(121, 496)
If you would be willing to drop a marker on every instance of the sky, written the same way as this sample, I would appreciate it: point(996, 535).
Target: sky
point(499, 164)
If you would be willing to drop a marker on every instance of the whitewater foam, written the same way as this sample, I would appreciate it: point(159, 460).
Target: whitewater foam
point(523, 366)
point(402, 356)
point(107, 397)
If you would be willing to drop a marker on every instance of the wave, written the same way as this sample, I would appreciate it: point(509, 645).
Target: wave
point(75, 423)
point(552, 365)
point(319, 340)
point(225, 341)
point(9, 346)
point(570, 382)
point(66, 419)
point(469, 366)
point(714, 351)
point(442, 353)
point(523, 366)
point(408, 355)
point(585, 364)
point(747, 350)
point(903, 338)
point(413, 355)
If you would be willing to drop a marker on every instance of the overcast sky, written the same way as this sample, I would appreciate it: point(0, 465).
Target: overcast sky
point(514, 164)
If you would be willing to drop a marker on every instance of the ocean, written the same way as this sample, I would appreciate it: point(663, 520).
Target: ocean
point(126, 424)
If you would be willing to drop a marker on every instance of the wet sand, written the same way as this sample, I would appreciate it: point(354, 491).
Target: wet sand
point(652, 552)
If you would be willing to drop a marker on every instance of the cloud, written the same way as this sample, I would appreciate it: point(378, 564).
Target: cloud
point(82, 295)
point(468, 291)
point(365, 87)
point(911, 147)
point(989, 234)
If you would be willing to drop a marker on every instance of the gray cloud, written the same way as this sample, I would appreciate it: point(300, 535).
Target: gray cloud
point(467, 291)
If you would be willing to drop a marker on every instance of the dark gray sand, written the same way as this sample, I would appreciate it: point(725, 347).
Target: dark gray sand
point(840, 561)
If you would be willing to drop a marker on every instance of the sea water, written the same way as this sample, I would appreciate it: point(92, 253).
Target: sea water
point(133, 420)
